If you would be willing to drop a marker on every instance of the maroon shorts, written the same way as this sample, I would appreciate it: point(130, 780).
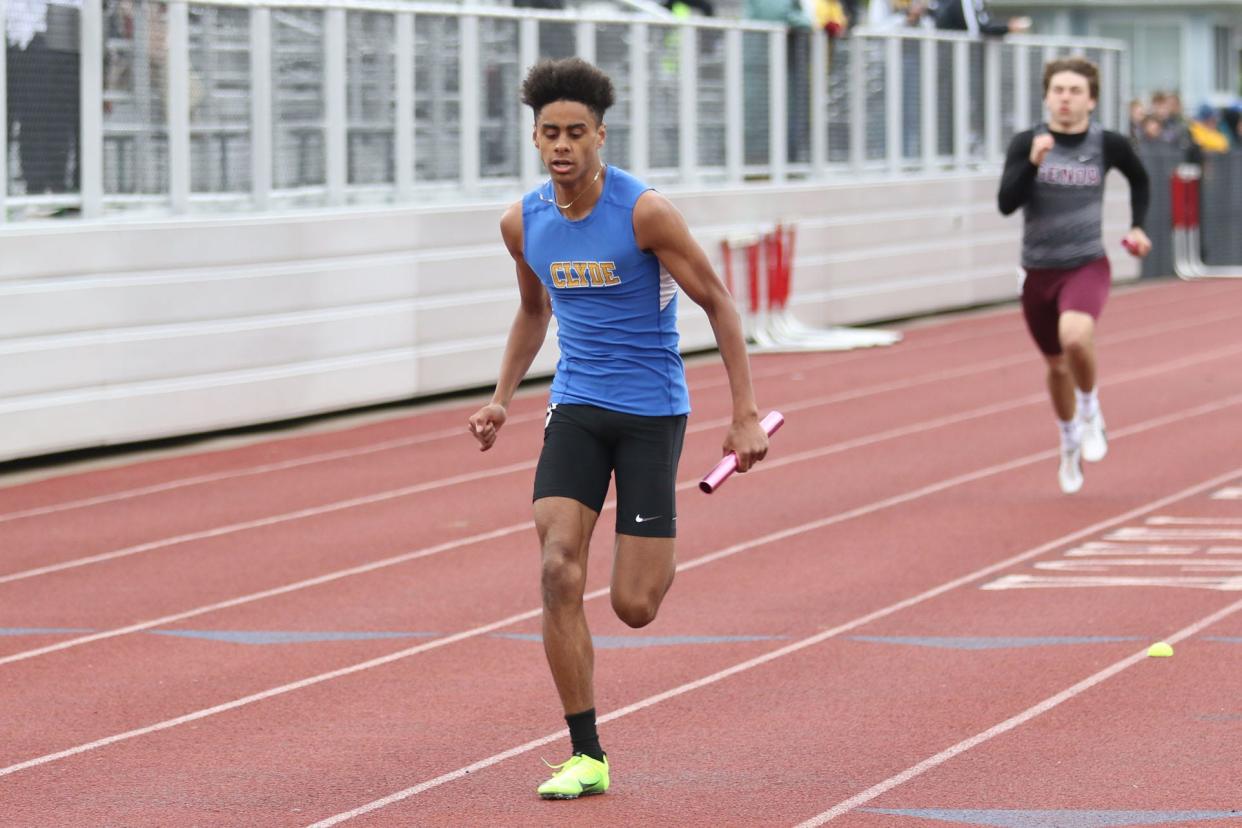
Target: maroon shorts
point(1049, 292)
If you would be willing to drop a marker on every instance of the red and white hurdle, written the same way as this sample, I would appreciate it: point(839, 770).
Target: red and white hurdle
point(1187, 260)
point(770, 325)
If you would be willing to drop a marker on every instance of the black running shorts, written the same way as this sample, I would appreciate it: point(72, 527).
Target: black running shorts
point(583, 445)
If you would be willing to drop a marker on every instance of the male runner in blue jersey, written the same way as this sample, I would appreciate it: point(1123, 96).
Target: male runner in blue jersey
point(607, 255)
point(1056, 173)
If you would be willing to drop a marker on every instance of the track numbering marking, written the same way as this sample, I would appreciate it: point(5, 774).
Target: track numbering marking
point(1163, 551)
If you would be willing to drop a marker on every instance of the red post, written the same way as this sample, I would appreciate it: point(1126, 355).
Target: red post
point(1192, 204)
point(752, 261)
point(1185, 196)
point(789, 257)
point(776, 269)
point(1177, 200)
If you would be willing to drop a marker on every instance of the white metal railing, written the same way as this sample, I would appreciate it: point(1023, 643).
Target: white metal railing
point(250, 105)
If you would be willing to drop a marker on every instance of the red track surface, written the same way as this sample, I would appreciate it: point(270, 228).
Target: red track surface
point(908, 484)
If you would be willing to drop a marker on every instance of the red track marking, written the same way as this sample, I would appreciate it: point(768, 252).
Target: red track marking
point(865, 441)
point(1175, 754)
point(232, 474)
point(16, 604)
point(230, 603)
point(766, 540)
point(713, 378)
point(734, 723)
point(272, 520)
point(72, 488)
point(1120, 407)
point(35, 531)
point(1020, 719)
point(107, 658)
point(299, 514)
point(823, 636)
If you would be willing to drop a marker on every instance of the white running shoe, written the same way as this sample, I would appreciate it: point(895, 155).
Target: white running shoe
point(1094, 438)
point(1069, 475)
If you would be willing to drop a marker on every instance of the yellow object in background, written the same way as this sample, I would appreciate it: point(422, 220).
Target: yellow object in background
point(830, 16)
point(1208, 138)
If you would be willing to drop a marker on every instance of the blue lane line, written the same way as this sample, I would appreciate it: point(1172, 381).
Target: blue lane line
point(993, 642)
point(622, 642)
point(1055, 819)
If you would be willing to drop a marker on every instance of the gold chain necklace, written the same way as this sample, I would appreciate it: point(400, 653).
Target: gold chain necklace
point(575, 198)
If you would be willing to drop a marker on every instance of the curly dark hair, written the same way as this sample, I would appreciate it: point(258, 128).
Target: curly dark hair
point(568, 79)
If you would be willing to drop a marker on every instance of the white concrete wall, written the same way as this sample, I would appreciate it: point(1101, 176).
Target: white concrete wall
point(115, 332)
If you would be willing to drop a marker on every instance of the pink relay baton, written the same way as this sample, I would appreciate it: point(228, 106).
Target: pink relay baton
point(1130, 247)
point(728, 464)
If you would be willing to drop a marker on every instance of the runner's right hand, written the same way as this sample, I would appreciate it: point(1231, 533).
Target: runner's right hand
point(1040, 147)
point(485, 422)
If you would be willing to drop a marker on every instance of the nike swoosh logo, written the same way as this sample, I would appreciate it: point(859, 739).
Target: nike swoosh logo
point(1082, 159)
point(641, 519)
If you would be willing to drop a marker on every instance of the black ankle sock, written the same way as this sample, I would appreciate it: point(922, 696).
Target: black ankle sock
point(582, 734)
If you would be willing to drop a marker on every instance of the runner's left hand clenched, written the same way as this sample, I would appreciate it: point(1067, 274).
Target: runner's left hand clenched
point(747, 440)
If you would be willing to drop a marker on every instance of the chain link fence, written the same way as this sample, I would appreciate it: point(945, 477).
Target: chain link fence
point(1220, 206)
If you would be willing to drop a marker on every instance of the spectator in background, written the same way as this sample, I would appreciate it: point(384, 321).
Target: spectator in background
point(539, 4)
point(833, 17)
point(972, 16)
point(1166, 107)
point(792, 14)
point(1205, 131)
point(1160, 106)
point(1177, 114)
point(1151, 131)
point(685, 8)
point(1231, 124)
point(43, 91)
point(1138, 114)
point(788, 12)
point(894, 14)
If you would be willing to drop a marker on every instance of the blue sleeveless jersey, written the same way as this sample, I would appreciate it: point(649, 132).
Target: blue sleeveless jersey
point(616, 314)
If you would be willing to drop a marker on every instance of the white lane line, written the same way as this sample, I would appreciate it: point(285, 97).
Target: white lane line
point(267, 694)
point(692, 564)
point(764, 467)
point(1121, 377)
point(233, 528)
point(318, 580)
point(250, 471)
point(1012, 722)
point(706, 425)
point(467, 541)
point(294, 463)
point(1166, 520)
point(455, 433)
point(781, 652)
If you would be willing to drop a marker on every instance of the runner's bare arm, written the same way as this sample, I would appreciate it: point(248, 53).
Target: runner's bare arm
point(526, 334)
point(661, 229)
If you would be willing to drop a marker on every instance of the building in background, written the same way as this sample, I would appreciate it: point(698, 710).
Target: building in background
point(1189, 46)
